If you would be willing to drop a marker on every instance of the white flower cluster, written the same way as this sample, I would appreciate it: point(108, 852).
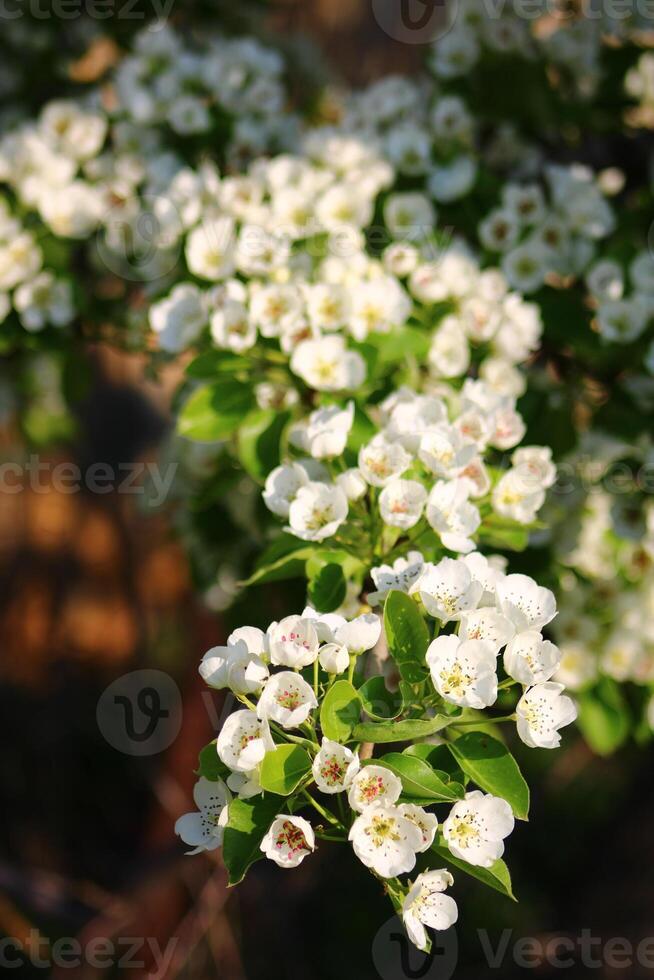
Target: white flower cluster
point(491, 611)
point(607, 597)
point(622, 315)
point(37, 295)
point(44, 163)
point(639, 84)
point(540, 236)
point(421, 132)
point(249, 227)
point(566, 39)
point(426, 460)
point(485, 314)
point(197, 86)
point(269, 673)
point(284, 249)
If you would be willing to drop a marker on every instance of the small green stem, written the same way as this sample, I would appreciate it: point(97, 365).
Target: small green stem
point(323, 812)
point(294, 738)
point(478, 721)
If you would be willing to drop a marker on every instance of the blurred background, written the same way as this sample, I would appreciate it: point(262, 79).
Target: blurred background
point(98, 586)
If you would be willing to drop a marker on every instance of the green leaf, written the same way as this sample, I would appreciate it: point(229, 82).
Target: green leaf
point(327, 589)
point(215, 411)
point(439, 758)
point(400, 731)
point(258, 441)
point(497, 876)
point(395, 345)
point(362, 431)
point(285, 558)
point(378, 702)
point(492, 767)
point(500, 532)
point(419, 779)
point(210, 765)
point(248, 821)
point(210, 363)
point(407, 636)
point(351, 566)
point(604, 717)
point(283, 768)
point(340, 711)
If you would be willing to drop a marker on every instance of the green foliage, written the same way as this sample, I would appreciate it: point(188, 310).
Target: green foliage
point(214, 411)
point(247, 825)
point(377, 701)
point(283, 769)
point(497, 876)
point(210, 765)
point(604, 717)
point(401, 731)
point(492, 767)
point(420, 782)
point(327, 588)
point(407, 636)
point(259, 439)
point(340, 711)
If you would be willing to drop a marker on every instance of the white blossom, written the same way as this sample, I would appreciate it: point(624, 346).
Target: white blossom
point(179, 318)
point(288, 840)
point(463, 672)
point(324, 434)
point(385, 841)
point(426, 822)
point(526, 604)
point(541, 711)
point(286, 699)
point(476, 827)
point(451, 514)
point(334, 767)
point(530, 659)
point(317, 511)
point(203, 829)
point(373, 784)
point(381, 461)
point(401, 575)
point(402, 502)
point(244, 740)
point(447, 589)
point(293, 642)
point(327, 365)
point(426, 905)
